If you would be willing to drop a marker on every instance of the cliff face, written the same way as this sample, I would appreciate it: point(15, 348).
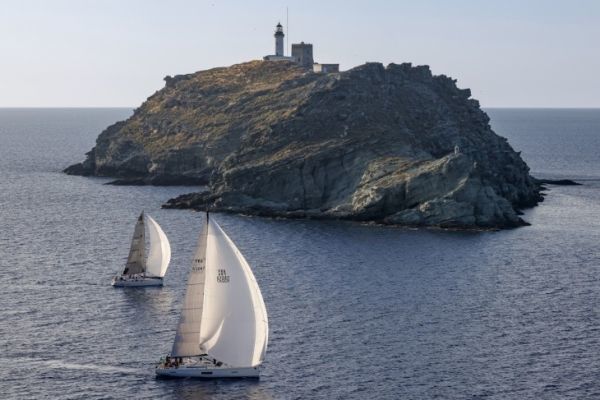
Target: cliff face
point(372, 143)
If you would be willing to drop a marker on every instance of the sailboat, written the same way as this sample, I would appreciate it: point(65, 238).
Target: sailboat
point(141, 271)
point(223, 327)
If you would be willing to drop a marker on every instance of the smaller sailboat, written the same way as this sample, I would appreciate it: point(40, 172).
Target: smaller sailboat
point(223, 328)
point(142, 271)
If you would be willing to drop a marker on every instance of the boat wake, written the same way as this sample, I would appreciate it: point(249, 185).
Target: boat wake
point(61, 364)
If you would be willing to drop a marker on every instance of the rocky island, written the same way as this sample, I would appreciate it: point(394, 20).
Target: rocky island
point(392, 144)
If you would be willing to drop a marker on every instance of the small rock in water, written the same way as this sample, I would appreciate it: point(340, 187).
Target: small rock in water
point(560, 182)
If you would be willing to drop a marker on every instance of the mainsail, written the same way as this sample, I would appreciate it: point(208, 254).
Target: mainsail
point(160, 250)
point(135, 261)
point(224, 314)
point(188, 330)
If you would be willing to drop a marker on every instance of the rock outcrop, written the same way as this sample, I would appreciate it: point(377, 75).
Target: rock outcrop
point(390, 144)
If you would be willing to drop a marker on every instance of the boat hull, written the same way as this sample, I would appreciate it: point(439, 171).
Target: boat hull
point(137, 282)
point(207, 372)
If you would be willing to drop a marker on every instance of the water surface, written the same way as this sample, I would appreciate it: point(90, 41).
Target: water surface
point(356, 311)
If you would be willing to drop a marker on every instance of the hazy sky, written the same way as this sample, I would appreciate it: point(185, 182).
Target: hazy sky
point(539, 53)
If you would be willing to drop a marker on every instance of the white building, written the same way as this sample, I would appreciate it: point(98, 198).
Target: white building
point(326, 68)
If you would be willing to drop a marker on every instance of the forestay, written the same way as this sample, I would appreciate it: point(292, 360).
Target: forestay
point(160, 250)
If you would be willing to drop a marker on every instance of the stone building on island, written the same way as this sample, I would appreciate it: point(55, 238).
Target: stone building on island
point(302, 54)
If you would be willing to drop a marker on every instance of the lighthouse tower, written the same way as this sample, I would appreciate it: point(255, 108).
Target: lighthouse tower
point(279, 40)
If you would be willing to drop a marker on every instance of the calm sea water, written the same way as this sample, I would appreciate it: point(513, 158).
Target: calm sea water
point(356, 311)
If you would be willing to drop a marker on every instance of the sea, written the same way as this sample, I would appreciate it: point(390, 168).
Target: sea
point(356, 311)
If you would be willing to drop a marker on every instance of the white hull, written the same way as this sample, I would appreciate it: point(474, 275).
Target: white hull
point(136, 282)
point(204, 372)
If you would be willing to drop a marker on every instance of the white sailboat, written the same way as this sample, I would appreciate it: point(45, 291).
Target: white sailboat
point(141, 271)
point(223, 327)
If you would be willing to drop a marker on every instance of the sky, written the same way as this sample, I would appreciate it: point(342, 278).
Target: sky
point(115, 53)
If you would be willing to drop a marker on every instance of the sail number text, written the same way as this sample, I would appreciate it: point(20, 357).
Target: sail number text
point(222, 276)
point(198, 265)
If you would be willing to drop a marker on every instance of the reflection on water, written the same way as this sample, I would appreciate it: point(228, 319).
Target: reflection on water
point(233, 389)
point(150, 301)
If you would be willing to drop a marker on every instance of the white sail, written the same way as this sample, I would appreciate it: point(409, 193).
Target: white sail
point(234, 325)
point(160, 250)
point(187, 338)
point(135, 260)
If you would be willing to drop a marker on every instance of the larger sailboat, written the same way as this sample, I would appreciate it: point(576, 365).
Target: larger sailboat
point(142, 271)
point(223, 327)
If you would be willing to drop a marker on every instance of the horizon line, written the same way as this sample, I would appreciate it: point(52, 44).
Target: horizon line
point(134, 107)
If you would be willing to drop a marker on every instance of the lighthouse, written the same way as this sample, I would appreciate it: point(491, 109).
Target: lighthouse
point(279, 35)
point(278, 56)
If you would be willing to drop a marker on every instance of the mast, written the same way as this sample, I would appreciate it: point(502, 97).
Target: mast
point(187, 337)
point(135, 261)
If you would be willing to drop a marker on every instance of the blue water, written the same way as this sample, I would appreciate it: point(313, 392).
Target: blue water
point(356, 311)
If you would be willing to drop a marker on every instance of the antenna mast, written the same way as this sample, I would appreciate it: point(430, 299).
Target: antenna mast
point(287, 29)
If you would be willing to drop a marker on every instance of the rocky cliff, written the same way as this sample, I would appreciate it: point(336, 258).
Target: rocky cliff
point(391, 144)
